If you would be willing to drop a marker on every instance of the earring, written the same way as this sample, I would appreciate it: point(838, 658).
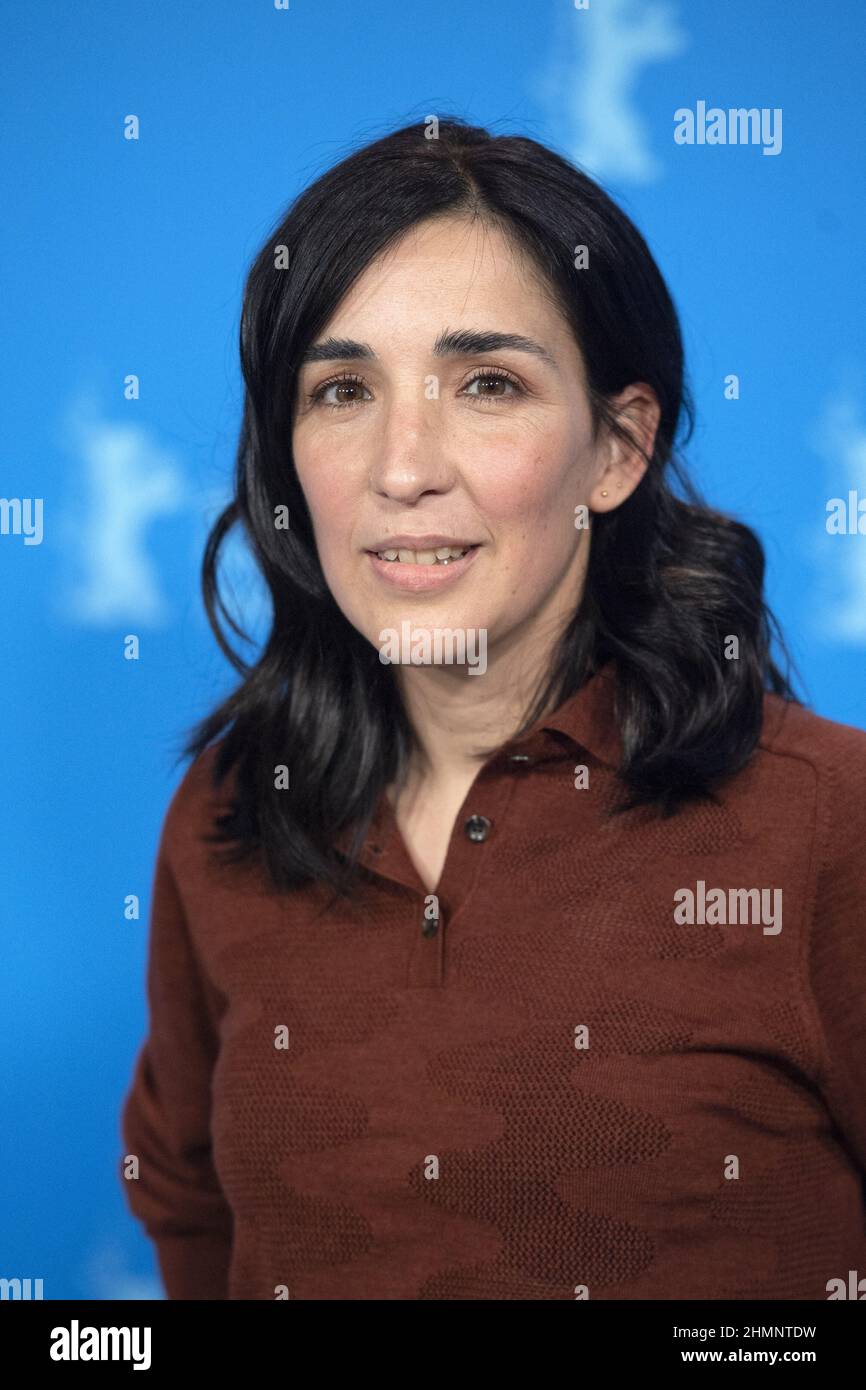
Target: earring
point(604, 492)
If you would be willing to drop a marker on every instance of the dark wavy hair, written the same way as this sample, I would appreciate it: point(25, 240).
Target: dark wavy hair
point(668, 578)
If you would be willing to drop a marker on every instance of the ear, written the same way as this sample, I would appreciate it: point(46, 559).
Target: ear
point(621, 466)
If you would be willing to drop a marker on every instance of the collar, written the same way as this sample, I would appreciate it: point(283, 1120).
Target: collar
point(588, 718)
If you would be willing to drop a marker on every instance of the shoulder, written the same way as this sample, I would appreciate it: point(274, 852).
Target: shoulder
point(792, 730)
point(798, 730)
point(833, 755)
point(199, 797)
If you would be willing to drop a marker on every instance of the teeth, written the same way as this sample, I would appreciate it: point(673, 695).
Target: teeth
point(443, 556)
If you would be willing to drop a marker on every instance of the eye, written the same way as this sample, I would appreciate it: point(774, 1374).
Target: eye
point(343, 383)
point(348, 384)
point(496, 377)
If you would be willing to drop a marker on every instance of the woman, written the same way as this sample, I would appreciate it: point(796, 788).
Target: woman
point(507, 930)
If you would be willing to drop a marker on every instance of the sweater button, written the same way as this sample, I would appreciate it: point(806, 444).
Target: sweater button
point(477, 828)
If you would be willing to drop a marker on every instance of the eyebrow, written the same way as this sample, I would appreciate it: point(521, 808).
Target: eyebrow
point(463, 343)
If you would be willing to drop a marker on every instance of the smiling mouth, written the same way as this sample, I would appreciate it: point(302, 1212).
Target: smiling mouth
point(442, 555)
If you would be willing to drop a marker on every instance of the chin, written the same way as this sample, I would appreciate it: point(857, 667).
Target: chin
point(426, 629)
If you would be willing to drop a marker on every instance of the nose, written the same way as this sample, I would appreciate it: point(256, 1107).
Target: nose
point(411, 449)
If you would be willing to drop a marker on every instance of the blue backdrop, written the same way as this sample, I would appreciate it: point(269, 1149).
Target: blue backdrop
point(128, 257)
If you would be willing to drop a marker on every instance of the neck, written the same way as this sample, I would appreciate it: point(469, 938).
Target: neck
point(458, 718)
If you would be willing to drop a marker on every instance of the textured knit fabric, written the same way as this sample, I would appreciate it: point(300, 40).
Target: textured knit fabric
point(560, 1088)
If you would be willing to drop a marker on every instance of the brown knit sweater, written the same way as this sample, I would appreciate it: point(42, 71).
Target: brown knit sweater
point(549, 1084)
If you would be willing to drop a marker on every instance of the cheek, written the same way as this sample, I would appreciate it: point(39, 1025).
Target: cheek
point(529, 504)
point(328, 492)
point(532, 489)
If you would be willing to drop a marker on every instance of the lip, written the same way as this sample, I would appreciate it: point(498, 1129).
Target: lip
point(428, 542)
point(420, 579)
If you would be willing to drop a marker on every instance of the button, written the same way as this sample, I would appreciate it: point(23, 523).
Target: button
point(477, 828)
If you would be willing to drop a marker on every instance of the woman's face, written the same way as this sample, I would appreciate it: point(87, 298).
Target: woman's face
point(424, 443)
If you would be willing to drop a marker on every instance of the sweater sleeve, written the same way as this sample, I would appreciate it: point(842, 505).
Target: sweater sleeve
point(166, 1112)
point(837, 951)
